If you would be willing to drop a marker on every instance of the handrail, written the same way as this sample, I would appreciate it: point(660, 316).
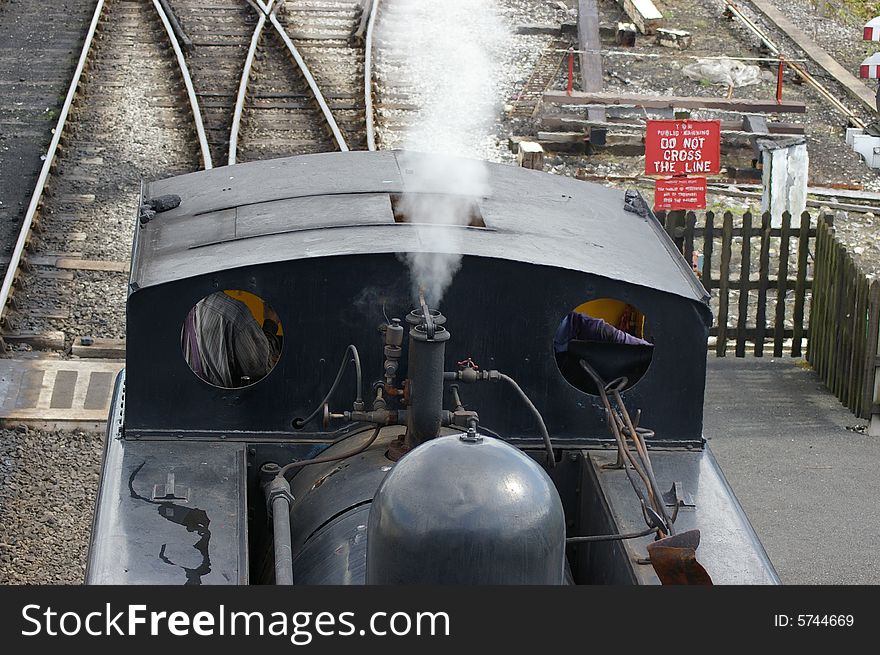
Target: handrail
point(187, 81)
point(242, 85)
point(368, 77)
point(37, 195)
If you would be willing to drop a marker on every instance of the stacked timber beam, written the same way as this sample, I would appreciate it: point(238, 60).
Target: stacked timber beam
point(674, 102)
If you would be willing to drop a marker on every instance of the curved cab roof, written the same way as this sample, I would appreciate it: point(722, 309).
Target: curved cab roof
point(341, 203)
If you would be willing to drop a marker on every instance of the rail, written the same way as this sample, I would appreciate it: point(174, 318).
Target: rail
point(368, 76)
point(310, 80)
point(245, 76)
point(267, 10)
point(187, 81)
point(798, 68)
point(18, 251)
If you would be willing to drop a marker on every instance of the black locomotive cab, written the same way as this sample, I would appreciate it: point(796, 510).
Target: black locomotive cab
point(341, 369)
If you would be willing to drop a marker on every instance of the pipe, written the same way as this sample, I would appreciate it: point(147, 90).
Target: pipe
point(470, 375)
point(280, 497)
point(299, 423)
point(779, 79)
point(328, 458)
point(425, 390)
point(545, 435)
point(570, 86)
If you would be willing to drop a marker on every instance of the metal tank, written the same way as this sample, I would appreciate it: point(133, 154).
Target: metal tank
point(329, 514)
point(466, 510)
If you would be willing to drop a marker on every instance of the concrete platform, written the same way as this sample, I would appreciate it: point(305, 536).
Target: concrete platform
point(808, 484)
point(57, 393)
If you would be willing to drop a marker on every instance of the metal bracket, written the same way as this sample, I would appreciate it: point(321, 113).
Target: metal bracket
point(678, 497)
point(278, 487)
point(169, 491)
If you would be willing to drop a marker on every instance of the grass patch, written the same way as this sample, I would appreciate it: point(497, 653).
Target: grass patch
point(862, 8)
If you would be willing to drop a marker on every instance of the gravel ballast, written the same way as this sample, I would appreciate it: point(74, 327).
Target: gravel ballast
point(48, 481)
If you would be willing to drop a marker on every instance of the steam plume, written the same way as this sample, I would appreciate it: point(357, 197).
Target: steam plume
point(448, 55)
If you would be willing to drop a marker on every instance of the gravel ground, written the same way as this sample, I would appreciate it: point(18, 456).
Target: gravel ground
point(831, 161)
point(838, 32)
point(47, 498)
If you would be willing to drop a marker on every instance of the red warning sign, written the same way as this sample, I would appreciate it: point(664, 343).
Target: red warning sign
point(680, 193)
point(683, 148)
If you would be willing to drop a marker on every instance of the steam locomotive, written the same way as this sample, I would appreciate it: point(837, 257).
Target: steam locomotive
point(395, 440)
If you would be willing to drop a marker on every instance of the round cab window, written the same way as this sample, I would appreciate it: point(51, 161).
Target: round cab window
point(602, 341)
point(231, 339)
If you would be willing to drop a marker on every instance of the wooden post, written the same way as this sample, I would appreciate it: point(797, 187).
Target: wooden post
point(530, 155)
point(590, 46)
point(872, 377)
point(689, 227)
point(708, 245)
point(800, 290)
point(839, 310)
point(675, 228)
point(831, 312)
point(781, 288)
point(816, 330)
point(592, 80)
point(743, 313)
point(846, 329)
point(856, 335)
point(763, 283)
point(822, 293)
point(724, 284)
point(861, 345)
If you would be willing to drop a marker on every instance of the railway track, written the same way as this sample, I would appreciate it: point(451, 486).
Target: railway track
point(544, 75)
point(32, 88)
point(396, 102)
point(216, 40)
point(133, 111)
point(772, 45)
point(128, 114)
point(281, 108)
point(440, 71)
point(324, 33)
point(146, 102)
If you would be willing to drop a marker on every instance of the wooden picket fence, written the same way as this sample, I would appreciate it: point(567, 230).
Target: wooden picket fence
point(845, 322)
point(810, 289)
point(753, 325)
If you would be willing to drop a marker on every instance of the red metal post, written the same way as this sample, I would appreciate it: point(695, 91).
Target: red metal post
point(779, 80)
point(570, 70)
